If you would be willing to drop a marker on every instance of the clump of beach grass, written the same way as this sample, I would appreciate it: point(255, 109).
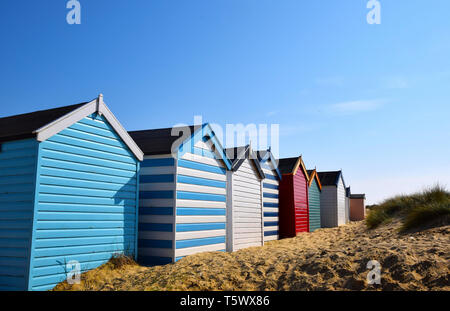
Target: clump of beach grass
point(119, 260)
point(97, 278)
point(431, 205)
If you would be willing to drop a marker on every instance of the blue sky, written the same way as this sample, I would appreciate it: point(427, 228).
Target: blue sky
point(370, 99)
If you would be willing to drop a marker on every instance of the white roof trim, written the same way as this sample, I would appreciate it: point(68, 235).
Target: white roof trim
point(97, 105)
point(47, 131)
point(104, 110)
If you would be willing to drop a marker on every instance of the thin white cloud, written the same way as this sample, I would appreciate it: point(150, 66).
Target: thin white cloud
point(357, 106)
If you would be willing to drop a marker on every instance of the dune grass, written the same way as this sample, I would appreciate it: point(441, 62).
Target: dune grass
point(96, 277)
point(418, 209)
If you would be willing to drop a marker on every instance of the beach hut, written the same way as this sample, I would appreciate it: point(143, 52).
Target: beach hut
point(271, 185)
point(357, 207)
point(294, 213)
point(314, 190)
point(244, 199)
point(347, 204)
point(182, 193)
point(68, 194)
point(332, 199)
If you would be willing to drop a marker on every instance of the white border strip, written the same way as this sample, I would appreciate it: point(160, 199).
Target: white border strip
point(97, 105)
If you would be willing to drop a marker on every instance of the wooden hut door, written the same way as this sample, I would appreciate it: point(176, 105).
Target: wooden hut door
point(301, 203)
point(247, 207)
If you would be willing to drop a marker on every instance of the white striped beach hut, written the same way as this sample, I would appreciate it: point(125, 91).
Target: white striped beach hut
point(182, 193)
point(244, 200)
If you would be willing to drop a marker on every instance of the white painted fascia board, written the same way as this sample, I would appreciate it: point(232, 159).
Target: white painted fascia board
point(120, 130)
point(97, 105)
point(53, 128)
point(239, 156)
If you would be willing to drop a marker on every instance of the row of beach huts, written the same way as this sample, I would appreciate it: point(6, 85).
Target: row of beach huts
point(75, 186)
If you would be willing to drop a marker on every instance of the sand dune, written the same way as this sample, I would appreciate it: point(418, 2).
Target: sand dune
point(328, 259)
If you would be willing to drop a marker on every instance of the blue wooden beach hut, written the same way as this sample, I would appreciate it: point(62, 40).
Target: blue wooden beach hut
point(182, 193)
point(68, 192)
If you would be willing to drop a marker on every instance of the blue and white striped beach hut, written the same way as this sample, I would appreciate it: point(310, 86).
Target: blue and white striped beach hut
point(271, 185)
point(182, 193)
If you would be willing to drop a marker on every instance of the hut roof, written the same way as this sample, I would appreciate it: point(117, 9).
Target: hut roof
point(330, 178)
point(358, 196)
point(265, 155)
point(25, 125)
point(291, 165)
point(313, 175)
point(238, 155)
point(160, 141)
point(44, 124)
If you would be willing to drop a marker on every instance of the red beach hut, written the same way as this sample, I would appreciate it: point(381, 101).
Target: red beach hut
point(294, 212)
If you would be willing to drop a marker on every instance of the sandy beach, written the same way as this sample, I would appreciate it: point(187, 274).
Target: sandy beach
point(328, 259)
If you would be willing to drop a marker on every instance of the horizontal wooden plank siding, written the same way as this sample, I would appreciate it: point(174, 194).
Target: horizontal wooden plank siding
point(347, 209)
point(156, 210)
point(271, 185)
point(328, 207)
point(200, 200)
point(314, 206)
point(294, 210)
point(341, 203)
point(301, 202)
point(245, 219)
point(357, 209)
point(17, 185)
point(87, 201)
